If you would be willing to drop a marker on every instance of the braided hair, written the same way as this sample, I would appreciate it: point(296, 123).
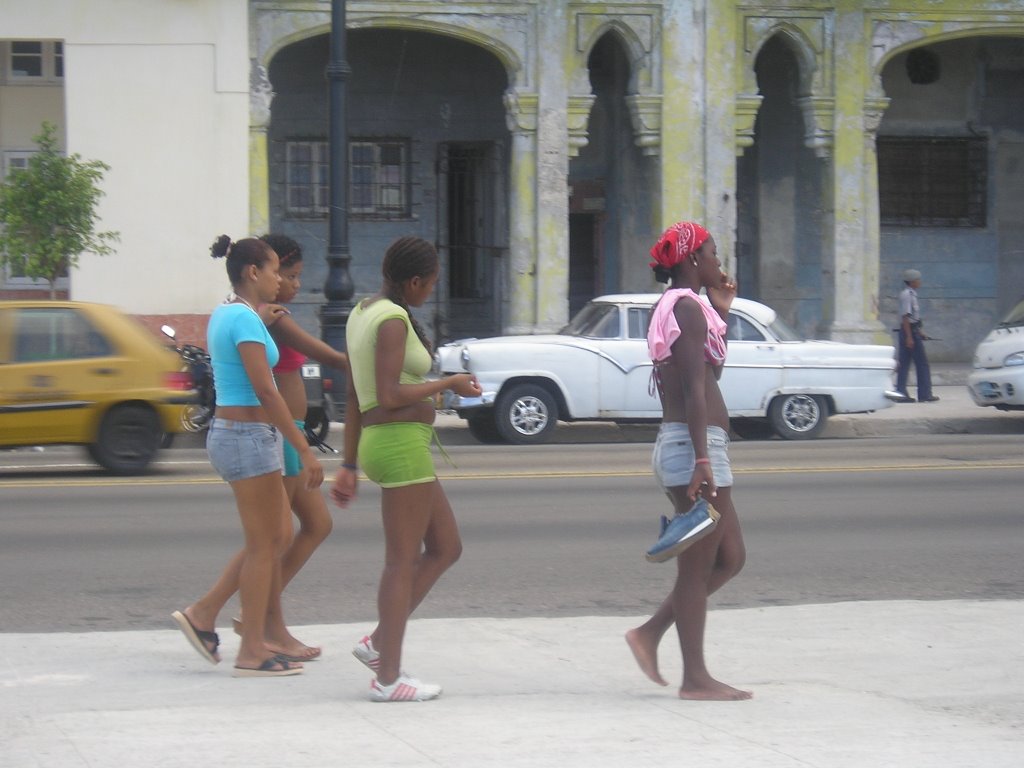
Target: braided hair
point(241, 254)
point(406, 258)
point(289, 251)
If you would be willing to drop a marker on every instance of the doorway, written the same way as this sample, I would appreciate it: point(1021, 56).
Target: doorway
point(469, 185)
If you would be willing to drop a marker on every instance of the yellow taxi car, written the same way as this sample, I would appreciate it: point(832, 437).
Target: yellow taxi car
point(87, 374)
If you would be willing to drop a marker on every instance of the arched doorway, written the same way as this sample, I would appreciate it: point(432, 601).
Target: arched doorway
point(779, 194)
point(950, 181)
point(427, 157)
point(611, 183)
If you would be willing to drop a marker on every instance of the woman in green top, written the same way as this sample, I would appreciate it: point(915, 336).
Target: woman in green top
point(388, 418)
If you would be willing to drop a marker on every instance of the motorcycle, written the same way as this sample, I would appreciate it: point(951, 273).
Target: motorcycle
point(197, 415)
point(321, 410)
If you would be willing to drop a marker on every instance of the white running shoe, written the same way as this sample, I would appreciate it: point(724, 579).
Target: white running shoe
point(366, 653)
point(403, 689)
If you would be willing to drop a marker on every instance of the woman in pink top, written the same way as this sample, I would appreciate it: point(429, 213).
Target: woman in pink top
point(687, 344)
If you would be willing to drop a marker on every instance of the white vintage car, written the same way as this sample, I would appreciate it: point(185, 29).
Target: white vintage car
point(998, 376)
point(597, 368)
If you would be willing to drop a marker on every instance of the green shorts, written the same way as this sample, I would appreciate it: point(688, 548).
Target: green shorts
point(292, 463)
point(398, 454)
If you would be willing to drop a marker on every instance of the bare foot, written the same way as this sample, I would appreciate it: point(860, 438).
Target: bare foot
point(295, 651)
point(646, 655)
point(291, 648)
point(713, 690)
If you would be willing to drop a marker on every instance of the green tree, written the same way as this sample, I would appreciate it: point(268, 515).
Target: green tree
point(48, 212)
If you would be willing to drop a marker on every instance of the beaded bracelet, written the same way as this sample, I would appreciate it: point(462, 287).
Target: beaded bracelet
point(702, 461)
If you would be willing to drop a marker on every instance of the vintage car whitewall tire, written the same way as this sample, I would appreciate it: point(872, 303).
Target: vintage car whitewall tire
point(798, 416)
point(526, 414)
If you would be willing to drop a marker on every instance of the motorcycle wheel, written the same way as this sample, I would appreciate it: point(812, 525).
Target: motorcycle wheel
point(317, 424)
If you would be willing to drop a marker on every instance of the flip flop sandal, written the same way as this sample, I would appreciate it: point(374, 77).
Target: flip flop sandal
point(275, 666)
point(199, 639)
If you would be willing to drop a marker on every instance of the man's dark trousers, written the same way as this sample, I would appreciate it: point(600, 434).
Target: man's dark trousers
point(920, 358)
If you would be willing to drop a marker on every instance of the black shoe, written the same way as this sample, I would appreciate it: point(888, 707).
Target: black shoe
point(930, 399)
point(904, 399)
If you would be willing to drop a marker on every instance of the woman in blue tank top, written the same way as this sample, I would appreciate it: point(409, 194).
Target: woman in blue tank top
point(244, 447)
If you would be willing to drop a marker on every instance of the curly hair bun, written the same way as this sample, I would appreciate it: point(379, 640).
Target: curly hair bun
point(221, 247)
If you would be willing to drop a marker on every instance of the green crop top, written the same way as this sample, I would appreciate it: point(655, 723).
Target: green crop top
point(361, 340)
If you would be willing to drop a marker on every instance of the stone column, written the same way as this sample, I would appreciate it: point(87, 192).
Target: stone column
point(719, 182)
point(854, 189)
point(521, 118)
point(874, 108)
point(682, 122)
point(552, 247)
point(260, 98)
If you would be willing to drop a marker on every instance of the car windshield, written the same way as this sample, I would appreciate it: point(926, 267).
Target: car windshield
point(595, 321)
point(1015, 318)
point(782, 331)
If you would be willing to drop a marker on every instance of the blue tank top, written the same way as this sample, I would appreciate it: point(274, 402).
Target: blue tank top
point(231, 325)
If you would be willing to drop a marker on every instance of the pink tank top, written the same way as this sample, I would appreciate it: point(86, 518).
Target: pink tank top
point(664, 330)
point(290, 360)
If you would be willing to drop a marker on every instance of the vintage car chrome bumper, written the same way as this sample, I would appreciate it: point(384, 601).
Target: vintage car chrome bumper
point(453, 402)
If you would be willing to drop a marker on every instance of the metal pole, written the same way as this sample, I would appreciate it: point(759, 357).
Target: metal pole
point(338, 288)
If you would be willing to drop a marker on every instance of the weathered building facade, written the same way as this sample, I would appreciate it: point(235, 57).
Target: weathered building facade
point(544, 145)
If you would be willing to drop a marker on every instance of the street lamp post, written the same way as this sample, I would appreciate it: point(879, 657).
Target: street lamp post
point(338, 288)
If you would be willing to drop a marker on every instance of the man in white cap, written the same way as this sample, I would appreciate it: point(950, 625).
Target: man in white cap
point(911, 343)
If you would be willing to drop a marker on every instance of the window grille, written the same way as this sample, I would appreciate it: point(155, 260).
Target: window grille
point(932, 182)
point(379, 178)
point(308, 187)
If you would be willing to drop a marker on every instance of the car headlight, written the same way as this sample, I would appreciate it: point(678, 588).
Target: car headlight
point(465, 358)
point(1017, 358)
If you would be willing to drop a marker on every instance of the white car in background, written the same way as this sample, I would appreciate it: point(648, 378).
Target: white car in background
point(998, 376)
point(597, 368)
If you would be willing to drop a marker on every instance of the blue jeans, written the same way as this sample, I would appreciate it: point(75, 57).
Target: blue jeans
point(920, 358)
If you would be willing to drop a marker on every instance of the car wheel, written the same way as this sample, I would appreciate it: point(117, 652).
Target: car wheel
point(798, 417)
point(752, 429)
point(317, 424)
point(483, 427)
point(128, 439)
point(526, 413)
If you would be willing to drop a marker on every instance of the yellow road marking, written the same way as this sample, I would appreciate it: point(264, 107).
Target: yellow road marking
point(105, 482)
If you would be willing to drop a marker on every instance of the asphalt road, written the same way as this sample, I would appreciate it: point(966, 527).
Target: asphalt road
point(550, 531)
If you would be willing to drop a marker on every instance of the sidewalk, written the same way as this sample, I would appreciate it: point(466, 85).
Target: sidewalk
point(835, 686)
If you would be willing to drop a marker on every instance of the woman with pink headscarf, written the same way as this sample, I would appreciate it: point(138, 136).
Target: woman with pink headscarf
point(687, 343)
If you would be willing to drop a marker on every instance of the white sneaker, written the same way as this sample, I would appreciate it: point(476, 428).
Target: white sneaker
point(403, 689)
point(366, 653)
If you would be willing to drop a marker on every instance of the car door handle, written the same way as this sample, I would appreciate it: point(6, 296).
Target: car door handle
point(104, 371)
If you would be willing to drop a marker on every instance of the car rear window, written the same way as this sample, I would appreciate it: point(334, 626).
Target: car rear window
point(44, 334)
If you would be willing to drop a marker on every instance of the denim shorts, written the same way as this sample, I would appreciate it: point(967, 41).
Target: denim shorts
point(243, 449)
point(397, 454)
point(673, 459)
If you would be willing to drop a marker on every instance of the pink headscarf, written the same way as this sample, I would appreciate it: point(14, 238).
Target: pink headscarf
point(678, 242)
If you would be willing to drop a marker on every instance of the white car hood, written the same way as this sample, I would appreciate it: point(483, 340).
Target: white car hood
point(450, 354)
point(1000, 343)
